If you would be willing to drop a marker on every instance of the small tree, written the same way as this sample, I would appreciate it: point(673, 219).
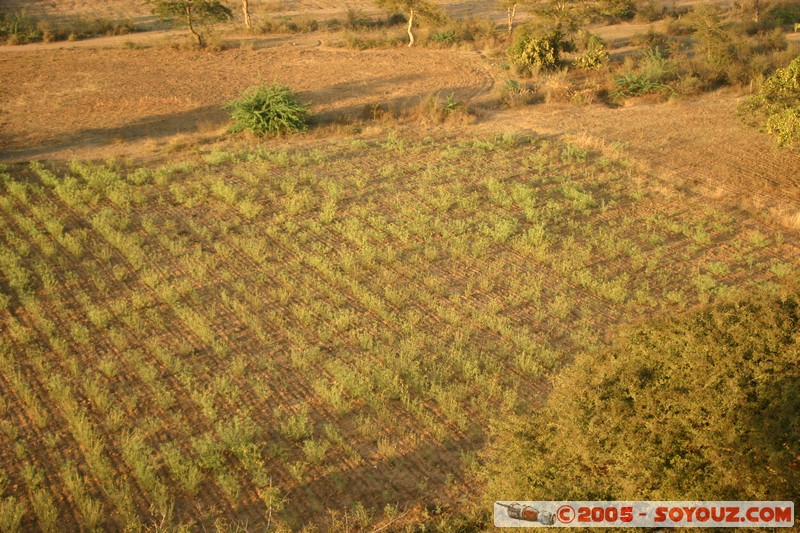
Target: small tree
point(414, 8)
point(191, 13)
point(700, 406)
point(246, 12)
point(564, 15)
point(511, 12)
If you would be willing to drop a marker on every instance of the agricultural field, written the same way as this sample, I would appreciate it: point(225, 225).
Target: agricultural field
point(322, 334)
point(333, 330)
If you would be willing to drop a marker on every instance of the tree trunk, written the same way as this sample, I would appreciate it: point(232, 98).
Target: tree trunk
point(512, 12)
point(410, 26)
point(246, 10)
point(197, 36)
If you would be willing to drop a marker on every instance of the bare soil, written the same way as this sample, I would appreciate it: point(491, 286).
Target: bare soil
point(70, 102)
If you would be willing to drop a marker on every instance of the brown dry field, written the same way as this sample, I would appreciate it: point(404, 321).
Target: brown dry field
point(100, 98)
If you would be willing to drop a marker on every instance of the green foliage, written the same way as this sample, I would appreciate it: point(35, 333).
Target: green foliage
point(446, 37)
point(422, 8)
point(464, 30)
point(777, 103)
point(12, 511)
point(648, 76)
point(200, 10)
point(191, 12)
point(616, 10)
point(538, 52)
point(595, 54)
point(702, 406)
point(272, 109)
point(18, 28)
point(563, 15)
point(710, 37)
point(786, 13)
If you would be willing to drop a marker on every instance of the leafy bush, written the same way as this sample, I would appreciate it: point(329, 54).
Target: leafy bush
point(616, 10)
point(446, 37)
point(273, 109)
point(784, 14)
point(595, 54)
point(18, 28)
point(533, 52)
point(702, 406)
point(777, 103)
point(650, 76)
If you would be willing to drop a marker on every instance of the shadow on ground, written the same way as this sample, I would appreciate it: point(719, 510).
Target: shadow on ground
point(150, 128)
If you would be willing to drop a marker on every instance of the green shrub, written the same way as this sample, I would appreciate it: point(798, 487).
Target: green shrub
point(616, 10)
point(273, 109)
point(538, 52)
point(19, 28)
point(777, 104)
point(595, 55)
point(702, 406)
point(784, 14)
point(446, 37)
point(650, 76)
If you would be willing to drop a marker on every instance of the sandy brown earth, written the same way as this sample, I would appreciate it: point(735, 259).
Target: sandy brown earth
point(90, 98)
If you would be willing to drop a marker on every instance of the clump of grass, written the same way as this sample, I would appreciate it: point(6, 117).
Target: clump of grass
point(273, 109)
point(289, 25)
point(436, 109)
point(514, 93)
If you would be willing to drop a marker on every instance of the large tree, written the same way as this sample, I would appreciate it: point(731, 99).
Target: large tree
point(191, 13)
point(699, 406)
point(413, 9)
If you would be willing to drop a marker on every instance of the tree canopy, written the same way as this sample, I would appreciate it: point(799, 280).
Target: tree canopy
point(703, 406)
point(192, 12)
point(425, 9)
